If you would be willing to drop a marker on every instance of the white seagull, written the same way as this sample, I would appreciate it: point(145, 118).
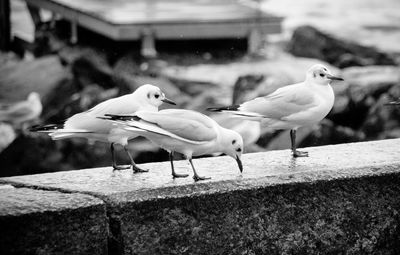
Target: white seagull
point(87, 125)
point(292, 106)
point(23, 111)
point(188, 132)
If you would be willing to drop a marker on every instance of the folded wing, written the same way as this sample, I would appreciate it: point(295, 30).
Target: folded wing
point(184, 125)
point(282, 103)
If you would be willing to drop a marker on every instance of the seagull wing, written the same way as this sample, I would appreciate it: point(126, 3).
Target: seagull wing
point(282, 103)
point(187, 124)
point(120, 105)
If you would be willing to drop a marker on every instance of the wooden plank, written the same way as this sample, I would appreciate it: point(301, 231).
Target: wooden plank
point(125, 12)
point(5, 25)
point(174, 19)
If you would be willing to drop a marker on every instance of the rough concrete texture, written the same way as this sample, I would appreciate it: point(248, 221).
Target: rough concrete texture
point(51, 222)
point(342, 199)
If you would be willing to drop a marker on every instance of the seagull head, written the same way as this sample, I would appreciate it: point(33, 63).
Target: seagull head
point(33, 96)
point(232, 145)
point(319, 74)
point(153, 95)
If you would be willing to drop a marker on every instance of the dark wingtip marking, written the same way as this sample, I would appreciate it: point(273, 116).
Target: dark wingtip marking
point(224, 108)
point(119, 117)
point(48, 127)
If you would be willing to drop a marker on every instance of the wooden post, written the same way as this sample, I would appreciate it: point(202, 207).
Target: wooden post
point(5, 25)
point(74, 32)
point(148, 48)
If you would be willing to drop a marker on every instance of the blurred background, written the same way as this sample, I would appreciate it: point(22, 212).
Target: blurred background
point(75, 54)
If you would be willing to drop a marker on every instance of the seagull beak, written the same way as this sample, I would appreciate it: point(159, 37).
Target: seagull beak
point(331, 77)
point(166, 100)
point(239, 163)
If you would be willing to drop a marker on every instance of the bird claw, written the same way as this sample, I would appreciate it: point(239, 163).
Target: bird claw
point(118, 168)
point(298, 154)
point(200, 178)
point(139, 170)
point(175, 175)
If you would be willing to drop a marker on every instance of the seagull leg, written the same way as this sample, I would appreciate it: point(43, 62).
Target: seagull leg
point(295, 152)
point(115, 167)
point(135, 168)
point(196, 177)
point(175, 175)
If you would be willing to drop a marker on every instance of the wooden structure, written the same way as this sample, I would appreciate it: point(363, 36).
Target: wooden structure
point(150, 20)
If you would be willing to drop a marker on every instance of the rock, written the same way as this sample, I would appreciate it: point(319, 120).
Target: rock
point(41, 75)
point(382, 119)
point(245, 84)
point(91, 67)
point(308, 41)
point(371, 80)
point(362, 87)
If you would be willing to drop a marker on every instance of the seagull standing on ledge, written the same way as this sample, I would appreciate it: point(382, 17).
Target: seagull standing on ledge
point(87, 125)
point(292, 106)
point(188, 132)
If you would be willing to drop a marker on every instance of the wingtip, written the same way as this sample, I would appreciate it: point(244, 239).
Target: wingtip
point(119, 117)
point(213, 109)
point(223, 108)
point(44, 128)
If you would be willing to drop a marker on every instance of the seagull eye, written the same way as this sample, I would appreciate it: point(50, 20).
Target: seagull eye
point(239, 149)
point(157, 96)
point(321, 74)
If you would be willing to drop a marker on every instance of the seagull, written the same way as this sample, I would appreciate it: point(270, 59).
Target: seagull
point(87, 125)
point(185, 131)
point(292, 106)
point(23, 111)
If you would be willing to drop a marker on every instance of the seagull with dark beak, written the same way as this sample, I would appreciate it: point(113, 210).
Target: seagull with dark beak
point(292, 106)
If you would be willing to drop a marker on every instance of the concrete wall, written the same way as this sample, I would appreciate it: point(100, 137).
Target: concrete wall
point(342, 199)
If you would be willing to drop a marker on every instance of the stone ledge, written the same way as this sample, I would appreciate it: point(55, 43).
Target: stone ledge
point(343, 198)
point(50, 222)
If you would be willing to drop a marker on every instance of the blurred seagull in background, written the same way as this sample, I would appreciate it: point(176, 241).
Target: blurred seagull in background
point(22, 112)
point(188, 132)
point(292, 106)
point(87, 125)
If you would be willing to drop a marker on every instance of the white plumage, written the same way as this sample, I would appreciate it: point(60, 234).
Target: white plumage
point(292, 106)
point(87, 125)
point(188, 132)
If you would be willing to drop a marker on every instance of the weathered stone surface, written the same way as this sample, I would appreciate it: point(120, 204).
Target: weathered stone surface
point(50, 222)
point(342, 198)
